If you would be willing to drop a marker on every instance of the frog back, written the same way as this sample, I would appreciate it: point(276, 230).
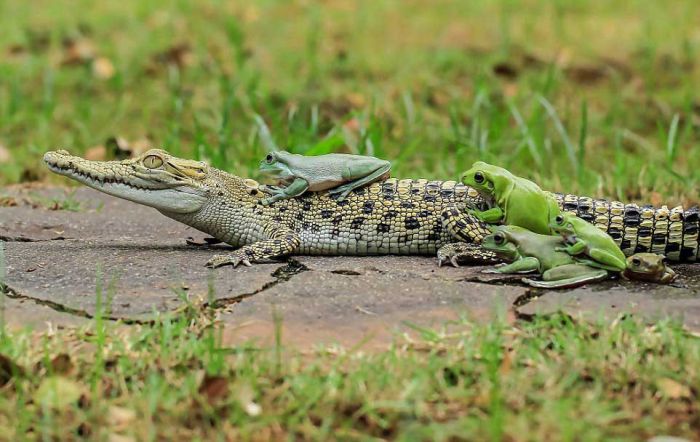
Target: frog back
point(596, 238)
point(528, 206)
point(542, 247)
point(322, 171)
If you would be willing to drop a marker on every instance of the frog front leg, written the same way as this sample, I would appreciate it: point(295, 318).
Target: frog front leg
point(522, 265)
point(359, 175)
point(573, 249)
point(296, 188)
point(491, 216)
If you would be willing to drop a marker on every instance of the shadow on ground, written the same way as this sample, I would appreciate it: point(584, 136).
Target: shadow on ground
point(137, 261)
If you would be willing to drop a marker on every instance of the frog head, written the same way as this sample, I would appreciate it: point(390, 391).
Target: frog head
point(502, 242)
point(275, 165)
point(563, 224)
point(490, 181)
point(649, 267)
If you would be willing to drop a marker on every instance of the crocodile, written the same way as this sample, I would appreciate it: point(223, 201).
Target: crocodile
point(391, 216)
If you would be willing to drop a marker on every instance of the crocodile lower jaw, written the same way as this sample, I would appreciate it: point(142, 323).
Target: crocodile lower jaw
point(176, 199)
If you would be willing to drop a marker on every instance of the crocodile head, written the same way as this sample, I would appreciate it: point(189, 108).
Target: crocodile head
point(155, 178)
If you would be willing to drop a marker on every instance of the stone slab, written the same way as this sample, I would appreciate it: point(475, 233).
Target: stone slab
point(52, 258)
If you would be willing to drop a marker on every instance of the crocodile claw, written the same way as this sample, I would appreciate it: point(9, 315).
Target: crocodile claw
point(233, 259)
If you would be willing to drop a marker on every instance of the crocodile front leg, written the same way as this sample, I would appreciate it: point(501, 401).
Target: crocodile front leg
point(469, 230)
point(281, 240)
point(464, 226)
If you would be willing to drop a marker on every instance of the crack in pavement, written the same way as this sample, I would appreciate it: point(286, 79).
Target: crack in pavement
point(27, 239)
point(11, 293)
point(282, 274)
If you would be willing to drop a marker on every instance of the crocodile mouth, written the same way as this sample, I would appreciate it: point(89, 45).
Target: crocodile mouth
point(95, 180)
point(162, 191)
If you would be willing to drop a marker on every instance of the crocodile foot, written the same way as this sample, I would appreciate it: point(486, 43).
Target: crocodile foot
point(235, 258)
point(457, 253)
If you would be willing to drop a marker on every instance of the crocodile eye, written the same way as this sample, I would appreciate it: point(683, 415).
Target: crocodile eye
point(269, 158)
point(636, 262)
point(153, 161)
point(499, 239)
point(478, 177)
point(559, 219)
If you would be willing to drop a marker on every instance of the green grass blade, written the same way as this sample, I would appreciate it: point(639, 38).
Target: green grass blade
point(568, 145)
point(672, 140)
point(265, 134)
point(525, 132)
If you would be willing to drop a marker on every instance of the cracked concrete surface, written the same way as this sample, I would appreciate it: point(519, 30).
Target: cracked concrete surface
point(58, 261)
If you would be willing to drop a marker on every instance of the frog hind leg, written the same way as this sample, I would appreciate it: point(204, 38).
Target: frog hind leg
point(597, 264)
point(608, 260)
point(522, 265)
point(493, 215)
point(568, 276)
point(361, 175)
point(296, 188)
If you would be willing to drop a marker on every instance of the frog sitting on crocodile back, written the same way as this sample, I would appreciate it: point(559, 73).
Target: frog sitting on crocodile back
point(337, 173)
point(545, 255)
point(514, 200)
point(593, 246)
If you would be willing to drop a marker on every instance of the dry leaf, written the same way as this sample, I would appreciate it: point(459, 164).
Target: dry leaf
point(120, 148)
point(78, 51)
point(120, 418)
point(103, 68)
point(8, 370)
point(251, 14)
point(510, 89)
point(61, 364)
point(7, 201)
point(506, 363)
point(356, 99)
point(586, 74)
point(96, 153)
point(673, 389)
point(58, 392)
point(119, 438)
point(16, 50)
point(664, 438)
point(214, 388)
point(505, 70)
point(140, 146)
point(179, 55)
point(5, 155)
point(244, 394)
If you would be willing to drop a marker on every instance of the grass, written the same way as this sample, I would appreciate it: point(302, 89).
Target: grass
point(592, 97)
point(550, 379)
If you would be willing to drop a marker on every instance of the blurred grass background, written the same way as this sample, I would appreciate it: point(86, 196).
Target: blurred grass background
point(596, 97)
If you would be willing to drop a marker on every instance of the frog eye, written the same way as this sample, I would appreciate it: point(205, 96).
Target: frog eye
point(269, 158)
point(479, 177)
point(153, 161)
point(499, 239)
point(636, 262)
point(559, 220)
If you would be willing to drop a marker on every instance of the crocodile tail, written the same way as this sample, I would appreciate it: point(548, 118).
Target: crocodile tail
point(669, 232)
